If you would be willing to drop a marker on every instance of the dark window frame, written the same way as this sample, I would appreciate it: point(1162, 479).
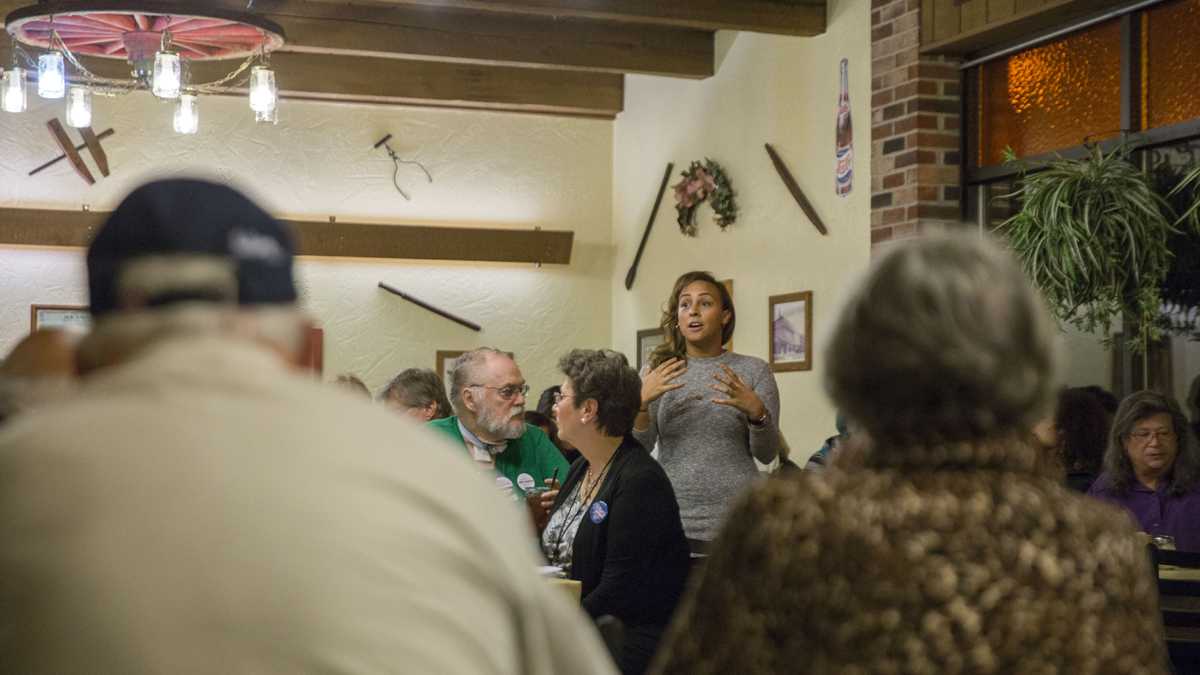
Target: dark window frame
point(975, 180)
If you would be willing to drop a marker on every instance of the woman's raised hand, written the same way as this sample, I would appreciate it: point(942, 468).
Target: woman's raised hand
point(658, 381)
point(737, 393)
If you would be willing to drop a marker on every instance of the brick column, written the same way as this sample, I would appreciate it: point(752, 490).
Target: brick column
point(915, 127)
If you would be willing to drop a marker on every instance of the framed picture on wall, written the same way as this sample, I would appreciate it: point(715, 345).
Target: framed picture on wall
point(65, 317)
point(445, 359)
point(647, 340)
point(791, 331)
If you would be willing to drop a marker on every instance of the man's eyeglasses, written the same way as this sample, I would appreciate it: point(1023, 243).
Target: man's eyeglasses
point(1144, 435)
point(508, 391)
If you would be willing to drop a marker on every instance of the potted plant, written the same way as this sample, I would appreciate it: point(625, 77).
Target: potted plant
point(1093, 234)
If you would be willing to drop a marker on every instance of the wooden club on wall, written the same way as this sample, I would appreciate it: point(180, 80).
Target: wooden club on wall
point(794, 188)
point(632, 274)
point(91, 141)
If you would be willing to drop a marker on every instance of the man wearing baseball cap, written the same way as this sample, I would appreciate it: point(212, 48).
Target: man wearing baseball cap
point(201, 506)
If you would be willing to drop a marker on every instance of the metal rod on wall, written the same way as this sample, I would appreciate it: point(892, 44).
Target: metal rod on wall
point(421, 303)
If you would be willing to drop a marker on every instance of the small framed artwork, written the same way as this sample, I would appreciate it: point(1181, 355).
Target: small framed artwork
point(791, 331)
point(64, 317)
point(445, 359)
point(647, 340)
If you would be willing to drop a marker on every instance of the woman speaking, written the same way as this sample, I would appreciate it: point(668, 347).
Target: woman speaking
point(711, 412)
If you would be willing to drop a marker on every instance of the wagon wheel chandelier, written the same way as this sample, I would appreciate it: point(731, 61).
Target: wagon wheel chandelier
point(159, 40)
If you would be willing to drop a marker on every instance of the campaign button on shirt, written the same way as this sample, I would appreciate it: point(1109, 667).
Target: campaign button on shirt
point(525, 481)
point(598, 512)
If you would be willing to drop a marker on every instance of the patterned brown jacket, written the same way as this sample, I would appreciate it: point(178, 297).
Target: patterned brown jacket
point(947, 561)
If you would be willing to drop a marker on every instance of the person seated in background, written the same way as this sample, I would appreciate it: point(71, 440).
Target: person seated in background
point(487, 391)
point(823, 456)
point(943, 551)
point(615, 523)
point(39, 371)
point(547, 425)
point(1152, 468)
point(1109, 402)
point(1075, 435)
point(352, 383)
point(545, 408)
point(201, 505)
point(542, 422)
point(547, 399)
point(418, 393)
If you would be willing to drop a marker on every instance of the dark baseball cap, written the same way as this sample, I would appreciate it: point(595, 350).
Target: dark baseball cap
point(191, 218)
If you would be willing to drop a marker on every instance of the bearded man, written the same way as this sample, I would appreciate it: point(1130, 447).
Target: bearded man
point(487, 392)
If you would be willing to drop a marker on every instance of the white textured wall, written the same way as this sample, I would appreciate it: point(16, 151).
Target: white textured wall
point(490, 170)
point(773, 89)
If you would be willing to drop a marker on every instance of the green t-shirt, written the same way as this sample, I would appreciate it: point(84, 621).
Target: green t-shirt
point(530, 457)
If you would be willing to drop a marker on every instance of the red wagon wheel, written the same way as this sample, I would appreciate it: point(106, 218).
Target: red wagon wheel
point(127, 30)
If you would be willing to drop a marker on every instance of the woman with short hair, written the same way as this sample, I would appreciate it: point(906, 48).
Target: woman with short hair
point(418, 393)
point(615, 524)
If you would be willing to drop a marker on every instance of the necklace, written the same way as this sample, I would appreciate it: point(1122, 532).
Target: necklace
point(589, 488)
point(584, 495)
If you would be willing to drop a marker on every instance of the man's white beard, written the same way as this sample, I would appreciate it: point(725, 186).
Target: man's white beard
point(507, 428)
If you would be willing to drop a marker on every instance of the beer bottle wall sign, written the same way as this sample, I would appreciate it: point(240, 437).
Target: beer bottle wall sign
point(844, 167)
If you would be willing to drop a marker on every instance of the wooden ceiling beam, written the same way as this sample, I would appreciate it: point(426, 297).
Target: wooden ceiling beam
point(490, 39)
point(355, 79)
point(46, 227)
point(435, 83)
point(783, 17)
point(479, 38)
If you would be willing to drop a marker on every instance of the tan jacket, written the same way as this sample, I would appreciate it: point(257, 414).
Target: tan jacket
point(202, 510)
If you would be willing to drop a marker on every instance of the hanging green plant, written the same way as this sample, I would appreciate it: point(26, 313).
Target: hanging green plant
point(1093, 235)
point(704, 181)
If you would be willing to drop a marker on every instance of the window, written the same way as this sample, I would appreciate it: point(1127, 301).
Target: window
point(1170, 53)
point(1136, 73)
point(1050, 97)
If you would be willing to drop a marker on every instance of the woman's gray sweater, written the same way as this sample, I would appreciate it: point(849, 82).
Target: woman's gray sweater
point(708, 449)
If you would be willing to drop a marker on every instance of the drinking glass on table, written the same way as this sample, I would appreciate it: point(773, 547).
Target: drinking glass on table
point(1163, 542)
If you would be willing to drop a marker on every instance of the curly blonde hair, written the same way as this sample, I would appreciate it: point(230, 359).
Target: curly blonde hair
point(673, 345)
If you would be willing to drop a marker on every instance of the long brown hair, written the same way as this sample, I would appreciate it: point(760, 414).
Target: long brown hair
point(673, 345)
point(1185, 473)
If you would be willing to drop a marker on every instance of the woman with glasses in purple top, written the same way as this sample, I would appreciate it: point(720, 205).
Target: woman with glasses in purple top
point(1152, 468)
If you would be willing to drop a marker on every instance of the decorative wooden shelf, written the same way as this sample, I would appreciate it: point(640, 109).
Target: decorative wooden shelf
point(44, 227)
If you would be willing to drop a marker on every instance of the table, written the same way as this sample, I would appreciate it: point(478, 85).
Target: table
point(572, 587)
point(1173, 573)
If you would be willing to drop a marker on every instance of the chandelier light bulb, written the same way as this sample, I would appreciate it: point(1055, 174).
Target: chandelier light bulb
point(79, 107)
point(52, 75)
point(263, 94)
point(187, 115)
point(13, 98)
point(168, 75)
point(267, 116)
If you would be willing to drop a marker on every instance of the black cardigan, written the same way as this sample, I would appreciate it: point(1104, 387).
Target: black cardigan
point(632, 564)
